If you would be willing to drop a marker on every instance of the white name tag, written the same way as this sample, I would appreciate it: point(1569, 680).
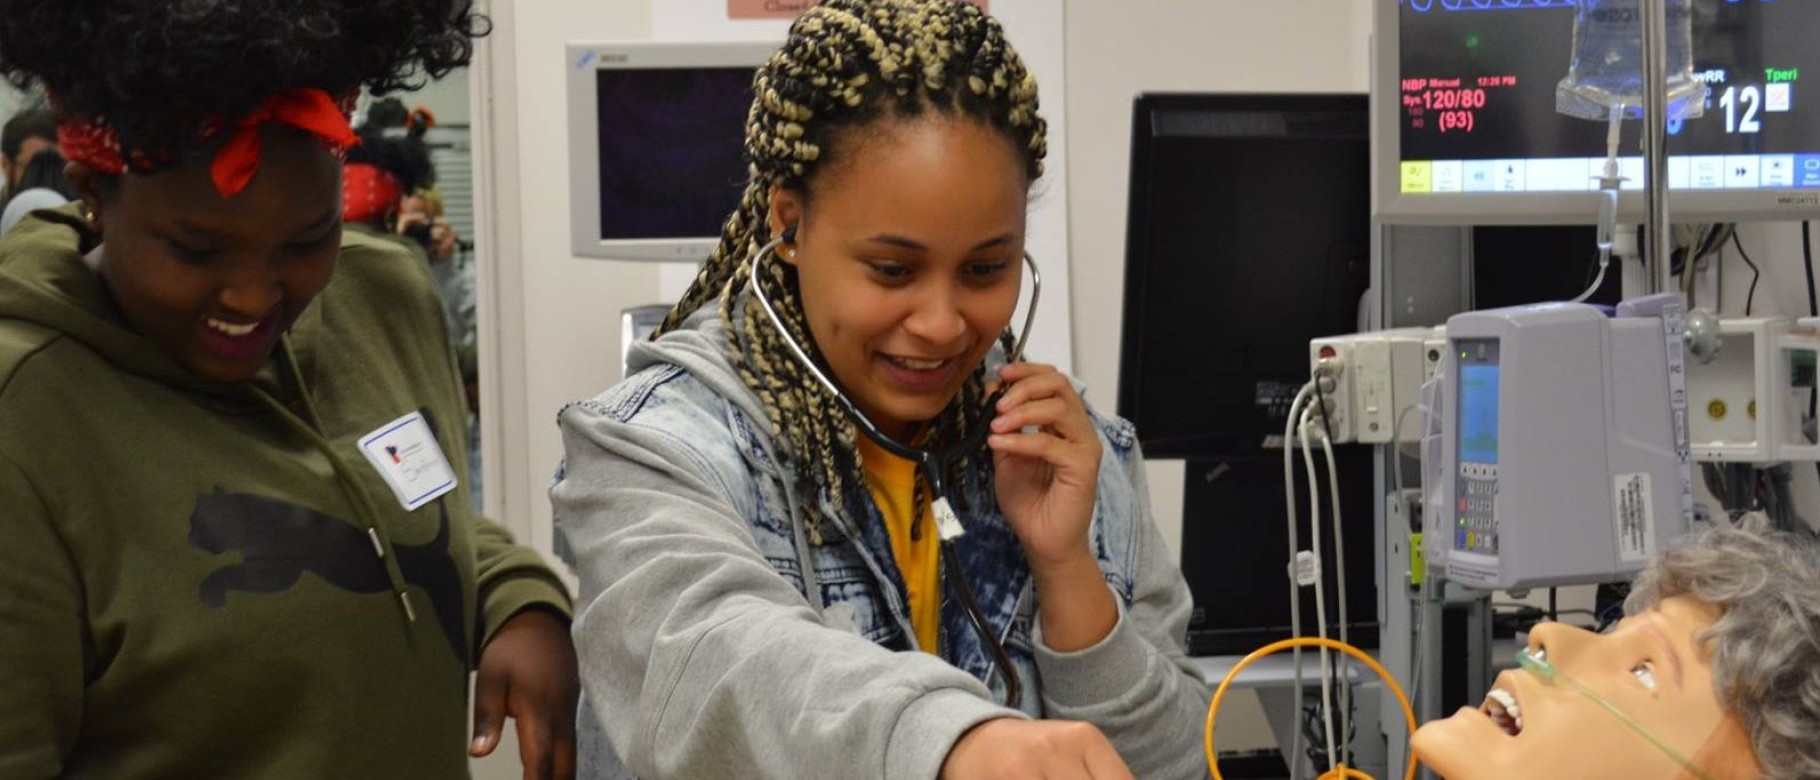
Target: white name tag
point(406, 454)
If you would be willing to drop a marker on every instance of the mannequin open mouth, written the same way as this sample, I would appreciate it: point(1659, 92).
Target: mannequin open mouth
point(1501, 706)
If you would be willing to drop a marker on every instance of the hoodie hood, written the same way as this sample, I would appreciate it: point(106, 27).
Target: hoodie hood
point(44, 280)
point(703, 346)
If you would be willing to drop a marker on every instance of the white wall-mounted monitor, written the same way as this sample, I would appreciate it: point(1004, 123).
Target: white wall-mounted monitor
point(1465, 129)
point(656, 145)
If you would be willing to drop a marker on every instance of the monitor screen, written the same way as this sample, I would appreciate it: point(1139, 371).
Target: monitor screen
point(1249, 233)
point(657, 145)
point(1479, 413)
point(1466, 96)
point(672, 155)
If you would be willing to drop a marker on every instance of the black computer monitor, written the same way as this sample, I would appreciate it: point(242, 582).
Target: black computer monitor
point(1248, 234)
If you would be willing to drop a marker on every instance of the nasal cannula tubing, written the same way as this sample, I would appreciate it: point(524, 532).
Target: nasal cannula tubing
point(1542, 668)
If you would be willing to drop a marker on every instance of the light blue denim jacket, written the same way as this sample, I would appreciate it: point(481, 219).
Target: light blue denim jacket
point(716, 641)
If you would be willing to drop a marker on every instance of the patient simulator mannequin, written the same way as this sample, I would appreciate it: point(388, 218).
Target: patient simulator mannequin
point(1714, 675)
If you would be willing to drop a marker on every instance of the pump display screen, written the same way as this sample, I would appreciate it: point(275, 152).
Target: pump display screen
point(1479, 413)
point(1477, 89)
point(1476, 444)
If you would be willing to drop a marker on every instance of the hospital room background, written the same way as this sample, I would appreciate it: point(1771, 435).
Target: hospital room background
point(550, 322)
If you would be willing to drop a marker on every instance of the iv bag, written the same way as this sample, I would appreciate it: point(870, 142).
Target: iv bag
point(1607, 66)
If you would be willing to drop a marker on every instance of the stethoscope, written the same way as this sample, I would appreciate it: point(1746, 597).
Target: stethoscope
point(933, 464)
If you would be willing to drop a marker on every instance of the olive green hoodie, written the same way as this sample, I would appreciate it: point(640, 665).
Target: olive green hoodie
point(188, 583)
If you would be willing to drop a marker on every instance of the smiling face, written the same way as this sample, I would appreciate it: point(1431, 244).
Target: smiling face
point(214, 281)
point(1650, 667)
point(908, 255)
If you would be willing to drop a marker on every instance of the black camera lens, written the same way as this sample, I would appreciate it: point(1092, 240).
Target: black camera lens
point(419, 232)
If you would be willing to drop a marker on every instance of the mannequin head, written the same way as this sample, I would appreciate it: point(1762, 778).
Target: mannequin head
point(1720, 649)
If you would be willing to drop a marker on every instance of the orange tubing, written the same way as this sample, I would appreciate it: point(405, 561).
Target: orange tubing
point(1342, 771)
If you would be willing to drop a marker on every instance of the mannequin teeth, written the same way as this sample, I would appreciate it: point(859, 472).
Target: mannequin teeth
point(1502, 706)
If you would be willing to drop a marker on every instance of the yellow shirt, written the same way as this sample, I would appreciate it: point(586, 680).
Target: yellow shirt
point(892, 481)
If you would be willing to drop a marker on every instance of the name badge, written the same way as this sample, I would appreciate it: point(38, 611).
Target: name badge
point(406, 454)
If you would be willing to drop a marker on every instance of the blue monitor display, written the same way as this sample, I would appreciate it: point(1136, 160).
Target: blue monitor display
point(1479, 413)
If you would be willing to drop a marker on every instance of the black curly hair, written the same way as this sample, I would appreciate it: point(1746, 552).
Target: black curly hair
point(159, 69)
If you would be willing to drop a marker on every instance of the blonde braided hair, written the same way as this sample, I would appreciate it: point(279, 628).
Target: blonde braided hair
point(847, 64)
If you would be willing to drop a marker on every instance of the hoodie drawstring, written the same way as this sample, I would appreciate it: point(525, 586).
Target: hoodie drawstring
point(350, 486)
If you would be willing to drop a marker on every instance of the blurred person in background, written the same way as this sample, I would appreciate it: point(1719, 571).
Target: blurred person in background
point(41, 185)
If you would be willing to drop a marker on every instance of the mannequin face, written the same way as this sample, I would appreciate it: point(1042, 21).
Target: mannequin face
point(1651, 667)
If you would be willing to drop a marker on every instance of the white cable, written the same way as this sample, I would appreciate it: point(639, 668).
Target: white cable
point(1339, 554)
point(1295, 594)
point(1396, 446)
point(1320, 589)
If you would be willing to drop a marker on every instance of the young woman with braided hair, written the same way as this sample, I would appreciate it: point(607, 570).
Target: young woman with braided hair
point(230, 434)
point(763, 591)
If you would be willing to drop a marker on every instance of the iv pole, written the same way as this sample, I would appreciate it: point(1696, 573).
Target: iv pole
point(1656, 242)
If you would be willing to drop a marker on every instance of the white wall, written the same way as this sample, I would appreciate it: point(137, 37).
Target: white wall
point(533, 286)
point(555, 336)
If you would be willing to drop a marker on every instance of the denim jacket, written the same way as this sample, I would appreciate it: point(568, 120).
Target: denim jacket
point(716, 640)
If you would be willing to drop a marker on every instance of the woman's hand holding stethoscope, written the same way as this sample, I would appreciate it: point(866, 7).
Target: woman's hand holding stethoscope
point(1046, 454)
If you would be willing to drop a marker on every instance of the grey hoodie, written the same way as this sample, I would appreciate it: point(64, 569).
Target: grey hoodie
point(715, 641)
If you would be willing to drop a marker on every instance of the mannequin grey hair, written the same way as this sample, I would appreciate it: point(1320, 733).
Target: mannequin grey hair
point(1765, 647)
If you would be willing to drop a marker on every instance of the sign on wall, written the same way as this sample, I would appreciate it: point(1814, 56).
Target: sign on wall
point(783, 9)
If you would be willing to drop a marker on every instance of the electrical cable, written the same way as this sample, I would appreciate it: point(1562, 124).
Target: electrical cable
point(1320, 589)
point(1295, 593)
point(1396, 445)
point(1415, 653)
point(1327, 673)
point(1339, 556)
point(1813, 310)
point(1807, 256)
point(1755, 273)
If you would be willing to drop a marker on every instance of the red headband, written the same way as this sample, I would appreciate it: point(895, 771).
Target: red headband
point(93, 141)
point(368, 192)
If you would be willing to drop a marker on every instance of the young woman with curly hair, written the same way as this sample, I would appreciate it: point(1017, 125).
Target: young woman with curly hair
point(768, 591)
point(229, 433)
